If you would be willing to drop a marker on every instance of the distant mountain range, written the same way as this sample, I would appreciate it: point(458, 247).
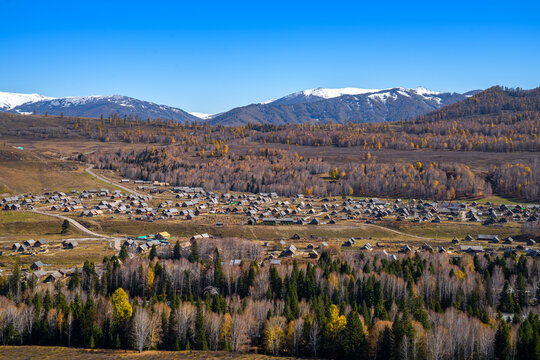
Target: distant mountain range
point(342, 105)
point(90, 106)
point(315, 105)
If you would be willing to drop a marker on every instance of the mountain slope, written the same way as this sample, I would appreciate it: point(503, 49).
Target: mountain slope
point(341, 105)
point(95, 106)
point(9, 101)
point(494, 100)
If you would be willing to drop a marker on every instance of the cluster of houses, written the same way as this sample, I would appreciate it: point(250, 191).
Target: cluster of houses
point(291, 250)
point(469, 249)
point(270, 209)
point(39, 272)
point(300, 211)
point(144, 243)
point(20, 202)
point(30, 246)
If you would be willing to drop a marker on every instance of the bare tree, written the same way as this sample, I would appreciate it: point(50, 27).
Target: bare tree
point(184, 317)
point(437, 342)
point(314, 337)
point(141, 331)
point(213, 326)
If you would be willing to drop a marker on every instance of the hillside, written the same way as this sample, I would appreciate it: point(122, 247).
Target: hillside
point(493, 101)
point(315, 105)
point(341, 106)
point(96, 106)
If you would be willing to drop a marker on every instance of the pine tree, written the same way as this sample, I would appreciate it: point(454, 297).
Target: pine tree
point(354, 342)
point(199, 340)
point(123, 255)
point(502, 342)
point(521, 290)
point(506, 303)
point(528, 345)
point(194, 256)
point(65, 227)
point(153, 253)
point(176, 251)
point(385, 345)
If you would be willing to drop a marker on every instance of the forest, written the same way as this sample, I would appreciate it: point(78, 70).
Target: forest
point(287, 173)
point(354, 305)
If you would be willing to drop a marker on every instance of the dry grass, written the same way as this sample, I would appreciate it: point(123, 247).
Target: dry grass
point(181, 228)
point(60, 353)
point(56, 256)
point(22, 225)
point(34, 174)
point(449, 230)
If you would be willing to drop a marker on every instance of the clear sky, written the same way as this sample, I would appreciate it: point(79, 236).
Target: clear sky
point(210, 56)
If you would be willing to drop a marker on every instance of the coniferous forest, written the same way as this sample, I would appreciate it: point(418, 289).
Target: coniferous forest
point(359, 305)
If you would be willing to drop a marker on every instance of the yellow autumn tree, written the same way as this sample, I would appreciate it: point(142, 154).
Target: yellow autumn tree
point(274, 335)
point(225, 332)
point(336, 323)
point(121, 307)
point(150, 280)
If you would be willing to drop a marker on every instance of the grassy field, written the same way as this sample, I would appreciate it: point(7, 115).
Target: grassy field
point(56, 256)
point(186, 228)
point(60, 353)
point(449, 230)
point(22, 225)
point(22, 172)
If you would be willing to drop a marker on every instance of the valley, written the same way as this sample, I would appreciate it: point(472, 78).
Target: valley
point(239, 237)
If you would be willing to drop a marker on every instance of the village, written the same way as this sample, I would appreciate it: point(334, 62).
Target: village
point(158, 203)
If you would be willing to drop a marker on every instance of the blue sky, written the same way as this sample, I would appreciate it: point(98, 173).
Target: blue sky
point(210, 56)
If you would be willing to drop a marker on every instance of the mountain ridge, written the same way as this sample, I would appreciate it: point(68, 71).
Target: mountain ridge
point(311, 105)
point(342, 105)
point(97, 105)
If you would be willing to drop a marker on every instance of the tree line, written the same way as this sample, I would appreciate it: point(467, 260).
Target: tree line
point(353, 306)
point(287, 173)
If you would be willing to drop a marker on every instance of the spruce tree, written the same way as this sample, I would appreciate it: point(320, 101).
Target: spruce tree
point(176, 250)
point(354, 342)
point(123, 255)
point(194, 256)
point(153, 253)
point(502, 342)
point(199, 340)
point(384, 345)
point(65, 227)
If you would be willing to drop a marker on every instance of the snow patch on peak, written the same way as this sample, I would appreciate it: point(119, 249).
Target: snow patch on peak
point(9, 101)
point(81, 100)
point(420, 90)
point(202, 115)
point(333, 93)
point(383, 96)
point(269, 101)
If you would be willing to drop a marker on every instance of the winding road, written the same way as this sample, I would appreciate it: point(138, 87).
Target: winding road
point(399, 232)
point(110, 238)
point(89, 171)
point(73, 222)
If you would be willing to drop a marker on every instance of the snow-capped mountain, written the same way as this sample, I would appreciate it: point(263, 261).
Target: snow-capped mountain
point(342, 105)
point(9, 101)
point(314, 105)
point(318, 94)
point(92, 106)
